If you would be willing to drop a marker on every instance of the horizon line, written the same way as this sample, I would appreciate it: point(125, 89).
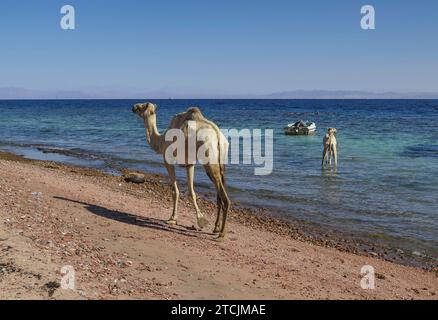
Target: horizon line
point(316, 98)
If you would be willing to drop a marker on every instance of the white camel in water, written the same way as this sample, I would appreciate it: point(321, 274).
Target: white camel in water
point(330, 147)
point(214, 141)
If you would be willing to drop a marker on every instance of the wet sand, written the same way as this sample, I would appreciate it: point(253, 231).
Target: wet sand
point(113, 234)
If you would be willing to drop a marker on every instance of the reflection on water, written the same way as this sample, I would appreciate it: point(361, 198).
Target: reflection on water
point(329, 172)
point(329, 192)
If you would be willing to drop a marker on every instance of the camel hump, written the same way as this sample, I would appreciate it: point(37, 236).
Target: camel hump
point(194, 113)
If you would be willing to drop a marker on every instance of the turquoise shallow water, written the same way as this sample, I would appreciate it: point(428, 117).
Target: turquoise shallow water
point(386, 186)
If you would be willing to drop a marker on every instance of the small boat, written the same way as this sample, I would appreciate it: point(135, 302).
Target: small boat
point(300, 128)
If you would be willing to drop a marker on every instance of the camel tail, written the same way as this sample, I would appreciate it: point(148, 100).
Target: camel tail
point(218, 134)
point(221, 163)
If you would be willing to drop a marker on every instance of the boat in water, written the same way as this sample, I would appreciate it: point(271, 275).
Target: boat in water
point(300, 128)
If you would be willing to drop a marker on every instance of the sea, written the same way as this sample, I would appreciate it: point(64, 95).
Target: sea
point(385, 186)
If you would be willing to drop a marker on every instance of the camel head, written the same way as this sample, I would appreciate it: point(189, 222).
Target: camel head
point(144, 110)
point(332, 131)
point(147, 111)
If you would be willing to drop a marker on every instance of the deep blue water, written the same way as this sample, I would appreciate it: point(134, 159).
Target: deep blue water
point(386, 185)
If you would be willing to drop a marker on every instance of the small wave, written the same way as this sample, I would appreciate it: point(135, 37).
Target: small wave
point(109, 160)
point(77, 153)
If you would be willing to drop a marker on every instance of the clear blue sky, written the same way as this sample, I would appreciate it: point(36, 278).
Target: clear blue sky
point(219, 46)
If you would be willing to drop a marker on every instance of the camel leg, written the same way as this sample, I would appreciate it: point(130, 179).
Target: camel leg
point(202, 222)
point(217, 226)
point(171, 171)
point(324, 157)
point(216, 177)
point(226, 206)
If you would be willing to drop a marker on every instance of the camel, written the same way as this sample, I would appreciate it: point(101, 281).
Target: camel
point(330, 147)
point(215, 170)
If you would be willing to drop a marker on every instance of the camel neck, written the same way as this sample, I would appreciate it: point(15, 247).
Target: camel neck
point(154, 137)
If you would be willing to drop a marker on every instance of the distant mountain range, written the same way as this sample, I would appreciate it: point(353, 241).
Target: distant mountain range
point(340, 94)
point(13, 93)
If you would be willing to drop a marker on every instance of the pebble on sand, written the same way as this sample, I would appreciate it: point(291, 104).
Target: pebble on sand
point(134, 177)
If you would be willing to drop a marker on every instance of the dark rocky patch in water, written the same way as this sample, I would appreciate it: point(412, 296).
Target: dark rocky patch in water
point(422, 150)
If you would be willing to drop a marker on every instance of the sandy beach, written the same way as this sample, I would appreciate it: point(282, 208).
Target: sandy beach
point(114, 236)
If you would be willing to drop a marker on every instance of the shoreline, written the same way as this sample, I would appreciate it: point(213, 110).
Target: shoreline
point(263, 218)
point(398, 215)
point(266, 241)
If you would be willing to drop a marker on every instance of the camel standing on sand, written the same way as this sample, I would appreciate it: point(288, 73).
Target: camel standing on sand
point(215, 141)
point(330, 147)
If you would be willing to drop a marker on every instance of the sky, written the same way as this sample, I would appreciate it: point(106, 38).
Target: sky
point(195, 48)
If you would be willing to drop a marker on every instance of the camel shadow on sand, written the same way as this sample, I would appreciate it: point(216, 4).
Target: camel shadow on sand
point(135, 220)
